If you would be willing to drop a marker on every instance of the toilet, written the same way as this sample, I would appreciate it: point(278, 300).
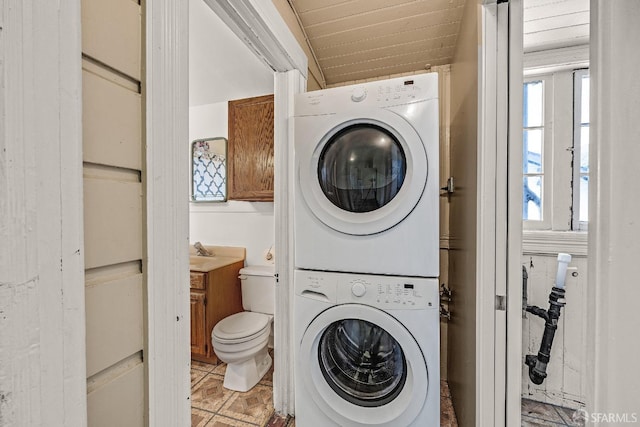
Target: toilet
point(241, 340)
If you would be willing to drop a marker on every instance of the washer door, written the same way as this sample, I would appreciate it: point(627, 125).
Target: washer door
point(365, 367)
point(365, 175)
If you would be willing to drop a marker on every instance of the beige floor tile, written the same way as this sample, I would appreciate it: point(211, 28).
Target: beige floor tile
point(447, 414)
point(200, 418)
point(221, 369)
point(254, 406)
point(209, 394)
point(536, 422)
point(221, 421)
point(196, 376)
point(201, 366)
point(540, 411)
point(444, 389)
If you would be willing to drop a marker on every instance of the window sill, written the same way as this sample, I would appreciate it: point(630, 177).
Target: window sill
point(551, 242)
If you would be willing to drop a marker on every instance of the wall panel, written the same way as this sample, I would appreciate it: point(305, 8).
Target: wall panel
point(113, 211)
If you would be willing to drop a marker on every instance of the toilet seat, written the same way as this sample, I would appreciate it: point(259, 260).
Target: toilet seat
point(241, 327)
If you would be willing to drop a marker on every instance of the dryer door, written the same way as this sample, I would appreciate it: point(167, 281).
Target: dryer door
point(365, 174)
point(365, 367)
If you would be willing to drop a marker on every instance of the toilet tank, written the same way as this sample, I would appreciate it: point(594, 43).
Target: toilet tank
point(258, 288)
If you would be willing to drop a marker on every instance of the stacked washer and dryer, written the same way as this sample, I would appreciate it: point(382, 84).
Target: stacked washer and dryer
point(366, 305)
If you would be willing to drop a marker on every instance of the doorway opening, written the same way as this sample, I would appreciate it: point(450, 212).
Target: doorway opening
point(554, 208)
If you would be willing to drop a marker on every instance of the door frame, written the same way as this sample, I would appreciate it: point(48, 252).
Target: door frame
point(499, 298)
point(260, 26)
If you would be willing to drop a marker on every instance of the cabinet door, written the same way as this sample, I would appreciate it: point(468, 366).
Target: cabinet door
point(198, 329)
point(250, 151)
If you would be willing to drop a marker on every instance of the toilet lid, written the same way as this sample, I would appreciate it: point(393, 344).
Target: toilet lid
point(241, 325)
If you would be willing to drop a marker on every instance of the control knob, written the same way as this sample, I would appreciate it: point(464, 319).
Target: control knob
point(358, 289)
point(358, 94)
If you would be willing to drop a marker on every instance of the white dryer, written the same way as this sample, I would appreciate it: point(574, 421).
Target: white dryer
point(367, 350)
point(366, 196)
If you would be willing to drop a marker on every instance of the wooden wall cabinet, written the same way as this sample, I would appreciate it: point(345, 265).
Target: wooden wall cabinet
point(214, 296)
point(250, 150)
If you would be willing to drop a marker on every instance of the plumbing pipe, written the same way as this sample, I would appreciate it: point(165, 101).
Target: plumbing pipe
point(538, 364)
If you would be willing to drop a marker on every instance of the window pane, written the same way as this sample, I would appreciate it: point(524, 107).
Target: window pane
point(584, 105)
point(532, 142)
point(584, 198)
point(584, 149)
point(532, 198)
point(532, 112)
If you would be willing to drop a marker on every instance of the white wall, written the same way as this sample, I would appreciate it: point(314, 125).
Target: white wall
point(231, 223)
point(565, 384)
point(223, 68)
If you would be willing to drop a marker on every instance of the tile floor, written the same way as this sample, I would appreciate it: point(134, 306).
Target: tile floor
point(544, 414)
point(214, 406)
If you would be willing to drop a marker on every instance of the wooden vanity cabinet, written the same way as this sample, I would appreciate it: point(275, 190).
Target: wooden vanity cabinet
point(214, 296)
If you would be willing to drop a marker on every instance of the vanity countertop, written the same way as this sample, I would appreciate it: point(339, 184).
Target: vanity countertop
point(205, 264)
point(222, 256)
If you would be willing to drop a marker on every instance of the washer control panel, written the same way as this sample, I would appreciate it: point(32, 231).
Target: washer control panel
point(388, 292)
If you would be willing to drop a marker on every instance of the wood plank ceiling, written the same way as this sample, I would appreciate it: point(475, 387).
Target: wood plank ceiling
point(550, 24)
point(360, 39)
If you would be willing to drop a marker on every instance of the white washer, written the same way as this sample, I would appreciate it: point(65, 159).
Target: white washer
point(366, 197)
point(367, 350)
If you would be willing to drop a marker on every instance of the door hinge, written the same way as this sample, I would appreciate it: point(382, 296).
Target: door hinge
point(501, 302)
point(450, 187)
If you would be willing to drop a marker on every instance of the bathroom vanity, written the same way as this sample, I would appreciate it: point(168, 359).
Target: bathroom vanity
point(215, 294)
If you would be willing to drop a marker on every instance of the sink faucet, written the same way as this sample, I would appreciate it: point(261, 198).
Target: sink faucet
point(200, 250)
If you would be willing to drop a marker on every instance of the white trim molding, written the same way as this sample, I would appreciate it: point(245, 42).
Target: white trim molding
point(166, 179)
point(553, 242)
point(260, 26)
point(486, 233)
point(552, 60)
point(514, 218)
point(42, 306)
point(286, 86)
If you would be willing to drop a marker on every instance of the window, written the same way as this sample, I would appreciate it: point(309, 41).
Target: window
point(537, 140)
point(556, 151)
point(533, 142)
point(581, 150)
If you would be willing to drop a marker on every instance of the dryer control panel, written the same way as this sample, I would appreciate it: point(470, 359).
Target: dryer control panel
point(378, 94)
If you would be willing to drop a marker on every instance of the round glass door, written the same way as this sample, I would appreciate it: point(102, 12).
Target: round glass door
point(361, 175)
point(362, 362)
point(361, 366)
point(362, 168)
